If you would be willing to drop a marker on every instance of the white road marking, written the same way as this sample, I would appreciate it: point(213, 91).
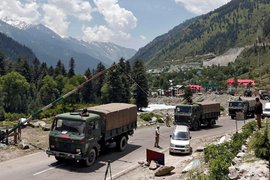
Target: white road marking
point(45, 170)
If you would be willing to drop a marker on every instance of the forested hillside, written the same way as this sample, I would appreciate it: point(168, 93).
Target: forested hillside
point(13, 49)
point(237, 24)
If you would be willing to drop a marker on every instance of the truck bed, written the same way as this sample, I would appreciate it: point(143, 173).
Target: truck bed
point(210, 107)
point(116, 115)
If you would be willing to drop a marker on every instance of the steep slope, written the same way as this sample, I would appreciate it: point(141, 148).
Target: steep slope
point(49, 47)
point(236, 24)
point(13, 50)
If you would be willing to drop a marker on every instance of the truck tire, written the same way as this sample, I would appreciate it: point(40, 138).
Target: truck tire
point(232, 117)
point(59, 159)
point(211, 123)
point(91, 158)
point(195, 125)
point(122, 143)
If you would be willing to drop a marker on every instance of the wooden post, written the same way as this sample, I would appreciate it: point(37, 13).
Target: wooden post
point(6, 136)
point(15, 136)
point(20, 134)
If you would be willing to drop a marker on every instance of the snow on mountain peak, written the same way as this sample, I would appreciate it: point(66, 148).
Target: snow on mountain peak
point(17, 23)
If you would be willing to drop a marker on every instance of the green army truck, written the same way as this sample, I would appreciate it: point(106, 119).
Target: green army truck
point(194, 115)
point(243, 105)
point(81, 135)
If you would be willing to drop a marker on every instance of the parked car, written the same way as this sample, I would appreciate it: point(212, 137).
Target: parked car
point(180, 140)
point(266, 110)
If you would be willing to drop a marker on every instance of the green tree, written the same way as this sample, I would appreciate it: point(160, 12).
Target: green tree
point(48, 91)
point(88, 94)
point(98, 83)
point(15, 92)
point(115, 87)
point(59, 69)
point(2, 64)
point(71, 71)
point(188, 95)
point(140, 86)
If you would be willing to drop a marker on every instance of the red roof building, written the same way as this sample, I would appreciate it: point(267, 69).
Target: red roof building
point(241, 82)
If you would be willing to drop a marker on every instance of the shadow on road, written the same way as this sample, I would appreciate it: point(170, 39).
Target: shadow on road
point(109, 154)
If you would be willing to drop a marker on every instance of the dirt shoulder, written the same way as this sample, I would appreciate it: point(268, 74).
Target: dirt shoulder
point(35, 137)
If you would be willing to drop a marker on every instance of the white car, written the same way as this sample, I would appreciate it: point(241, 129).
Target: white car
point(266, 110)
point(180, 140)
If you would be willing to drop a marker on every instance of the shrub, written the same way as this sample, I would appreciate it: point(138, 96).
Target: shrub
point(261, 144)
point(220, 156)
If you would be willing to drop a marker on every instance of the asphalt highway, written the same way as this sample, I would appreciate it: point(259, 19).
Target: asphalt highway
point(40, 166)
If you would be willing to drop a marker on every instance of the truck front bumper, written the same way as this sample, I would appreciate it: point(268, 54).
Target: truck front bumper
point(65, 155)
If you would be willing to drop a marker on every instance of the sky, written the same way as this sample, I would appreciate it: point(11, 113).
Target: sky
point(128, 23)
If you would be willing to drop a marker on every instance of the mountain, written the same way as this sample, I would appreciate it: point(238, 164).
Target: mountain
point(13, 50)
point(49, 47)
point(239, 23)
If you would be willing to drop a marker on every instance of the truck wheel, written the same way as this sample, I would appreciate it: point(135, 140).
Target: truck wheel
point(195, 126)
point(211, 123)
point(245, 115)
point(122, 143)
point(232, 117)
point(59, 159)
point(91, 157)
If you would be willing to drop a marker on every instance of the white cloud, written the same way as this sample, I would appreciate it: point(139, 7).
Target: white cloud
point(143, 37)
point(97, 33)
point(119, 22)
point(55, 19)
point(202, 6)
point(77, 8)
point(57, 12)
point(16, 10)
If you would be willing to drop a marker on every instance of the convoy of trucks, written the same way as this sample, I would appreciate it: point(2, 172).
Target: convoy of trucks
point(194, 115)
point(82, 135)
point(242, 105)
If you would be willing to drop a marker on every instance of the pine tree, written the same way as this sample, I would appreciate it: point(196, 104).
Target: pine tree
point(98, 83)
point(140, 86)
point(71, 71)
point(88, 95)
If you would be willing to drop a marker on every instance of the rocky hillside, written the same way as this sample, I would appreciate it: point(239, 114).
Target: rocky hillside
point(236, 24)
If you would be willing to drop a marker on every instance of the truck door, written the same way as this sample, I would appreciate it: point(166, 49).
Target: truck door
point(94, 130)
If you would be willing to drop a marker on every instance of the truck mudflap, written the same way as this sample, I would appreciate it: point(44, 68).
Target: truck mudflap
point(65, 155)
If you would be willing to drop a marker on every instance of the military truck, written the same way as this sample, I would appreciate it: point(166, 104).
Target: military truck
point(243, 105)
point(81, 135)
point(194, 115)
point(264, 95)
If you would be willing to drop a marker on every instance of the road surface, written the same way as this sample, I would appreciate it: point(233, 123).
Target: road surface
point(39, 166)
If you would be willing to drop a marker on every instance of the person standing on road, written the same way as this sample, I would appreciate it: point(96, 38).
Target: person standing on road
point(157, 133)
point(258, 112)
point(167, 119)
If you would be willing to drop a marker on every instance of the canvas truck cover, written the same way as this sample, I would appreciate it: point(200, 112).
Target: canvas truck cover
point(251, 101)
point(208, 107)
point(116, 115)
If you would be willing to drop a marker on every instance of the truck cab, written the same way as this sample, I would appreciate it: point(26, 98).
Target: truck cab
point(187, 114)
point(75, 136)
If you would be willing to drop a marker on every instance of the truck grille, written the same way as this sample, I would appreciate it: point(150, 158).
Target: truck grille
point(65, 147)
point(182, 119)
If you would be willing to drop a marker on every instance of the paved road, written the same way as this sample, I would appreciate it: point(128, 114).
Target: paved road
point(39, 166)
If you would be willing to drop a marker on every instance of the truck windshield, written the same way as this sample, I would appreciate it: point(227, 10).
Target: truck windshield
point(183, 109)
point(236, 104)
point(180, 135)
point(69, 126)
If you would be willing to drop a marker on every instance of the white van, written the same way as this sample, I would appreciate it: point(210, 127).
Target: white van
point(266, 110)
point(180, 140)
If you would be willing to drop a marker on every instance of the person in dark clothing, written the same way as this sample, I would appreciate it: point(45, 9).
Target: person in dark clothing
point(258, 111)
